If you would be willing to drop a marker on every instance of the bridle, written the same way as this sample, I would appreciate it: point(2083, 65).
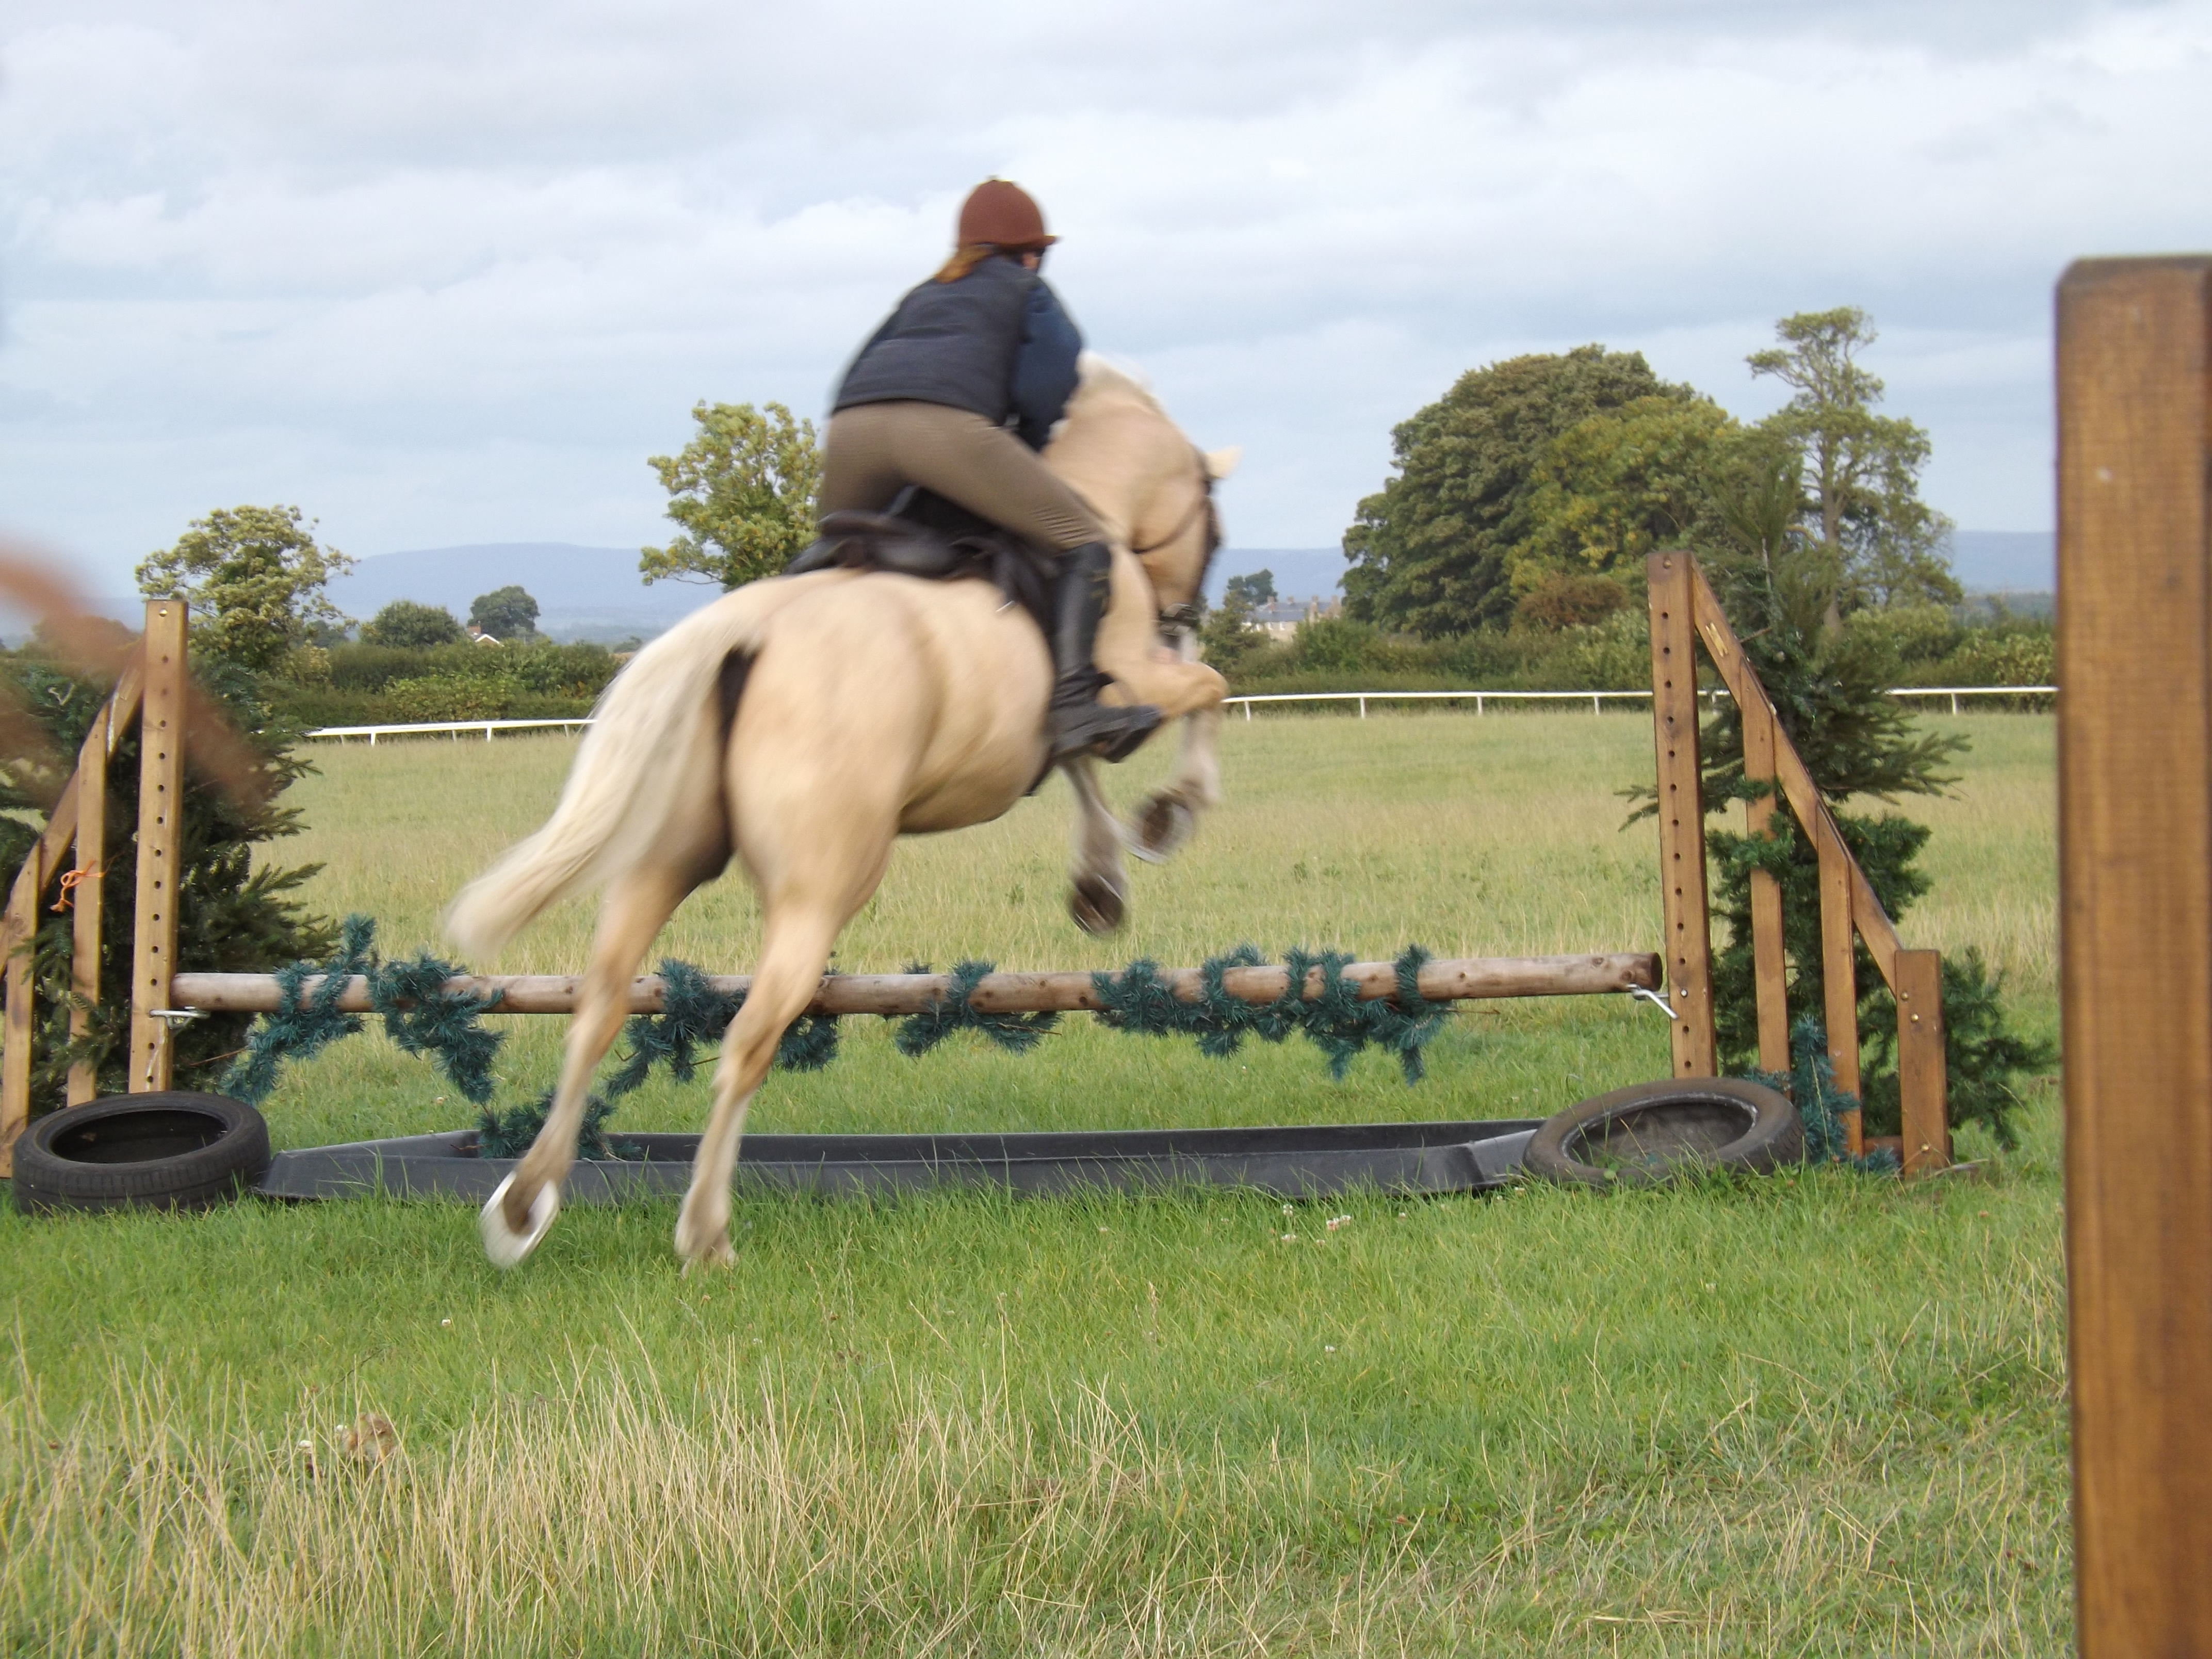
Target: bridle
point(1177, 619)
point(1204, 504)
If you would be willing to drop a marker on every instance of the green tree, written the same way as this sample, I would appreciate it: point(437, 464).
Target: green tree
point(1227, 636)
point(254, 576)
point(1432, 552)
point(505, 613)
point(1251, 591)
point(743, 490)
point(1861, 471)
point(1612, 488)
point(409, 626)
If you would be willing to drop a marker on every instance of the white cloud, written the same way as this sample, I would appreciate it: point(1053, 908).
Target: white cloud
point(442, 277)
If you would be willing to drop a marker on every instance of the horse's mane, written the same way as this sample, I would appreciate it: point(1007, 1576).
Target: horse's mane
point(1104, 385)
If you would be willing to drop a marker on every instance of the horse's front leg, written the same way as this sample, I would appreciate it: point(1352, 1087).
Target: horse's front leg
point(1165, 819)
point(1098, 889)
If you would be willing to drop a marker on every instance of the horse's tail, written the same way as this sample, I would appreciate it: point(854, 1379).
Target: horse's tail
point(619, 790)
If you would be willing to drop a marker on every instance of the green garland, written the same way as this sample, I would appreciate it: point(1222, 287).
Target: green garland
point(1336, 1021)
point(419, 1014)
point(693, 1015)
point(509, 1134)
point(1017, 1033)
point(423, 1018)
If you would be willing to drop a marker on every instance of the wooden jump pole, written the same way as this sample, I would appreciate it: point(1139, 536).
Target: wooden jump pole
point(1471, 979)
point(2134, 837)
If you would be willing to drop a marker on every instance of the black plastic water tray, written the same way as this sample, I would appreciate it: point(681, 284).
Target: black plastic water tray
point(1290, 1163)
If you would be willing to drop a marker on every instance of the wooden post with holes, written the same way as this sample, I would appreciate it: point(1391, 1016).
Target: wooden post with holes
point(1688, 947)
point(1770, 967)
point(160, 787)
point(2135, 816)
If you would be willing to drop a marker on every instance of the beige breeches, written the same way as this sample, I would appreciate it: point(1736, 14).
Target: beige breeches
point(872, 451)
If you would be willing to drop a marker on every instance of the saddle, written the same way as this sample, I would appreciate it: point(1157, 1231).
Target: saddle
point(922, 534)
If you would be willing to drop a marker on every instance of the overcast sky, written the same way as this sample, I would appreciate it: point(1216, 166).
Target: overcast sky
point(443, 274)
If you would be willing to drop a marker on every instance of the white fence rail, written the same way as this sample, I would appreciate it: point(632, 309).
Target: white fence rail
point(437, 728)
point(1597, 700)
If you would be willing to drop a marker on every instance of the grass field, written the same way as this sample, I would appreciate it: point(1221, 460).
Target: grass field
point(1818, 1414)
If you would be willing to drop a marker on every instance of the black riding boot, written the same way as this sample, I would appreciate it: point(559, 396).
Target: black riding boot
point(1078, 723)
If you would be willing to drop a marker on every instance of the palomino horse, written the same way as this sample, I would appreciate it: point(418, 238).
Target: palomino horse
point(804, 723)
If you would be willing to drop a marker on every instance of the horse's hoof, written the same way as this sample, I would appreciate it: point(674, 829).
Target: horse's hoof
point(1161, 824)
point(1096, 903)
point(717, 1255)
point(505, 1245)
point(712, 1252)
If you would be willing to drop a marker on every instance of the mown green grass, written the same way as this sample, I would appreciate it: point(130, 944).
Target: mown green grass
point(1818, 1414)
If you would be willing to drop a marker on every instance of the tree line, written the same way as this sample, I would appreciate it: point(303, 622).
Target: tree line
point(1531, 491)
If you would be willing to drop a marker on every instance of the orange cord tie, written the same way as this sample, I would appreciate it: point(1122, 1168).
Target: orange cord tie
point(70, 878)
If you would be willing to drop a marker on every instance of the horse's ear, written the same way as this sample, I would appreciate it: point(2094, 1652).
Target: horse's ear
point(1220, 463)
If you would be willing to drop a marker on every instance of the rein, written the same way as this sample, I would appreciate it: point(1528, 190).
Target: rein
point(1180, 619)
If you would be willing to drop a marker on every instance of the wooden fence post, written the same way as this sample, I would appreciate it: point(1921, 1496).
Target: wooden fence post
point(1839, 976)
point(160, 787)
point(22, 928)
point(1769, 963)
point(86, 897)
point(1688, 948)
point(1922, 1073)
point(2135, 828)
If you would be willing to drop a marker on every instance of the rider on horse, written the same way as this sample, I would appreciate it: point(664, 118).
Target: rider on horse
point(957, 392)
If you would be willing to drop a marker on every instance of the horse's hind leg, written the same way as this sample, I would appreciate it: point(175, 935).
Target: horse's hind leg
point(635, 910)
point(794, 949)
point(1098, 889)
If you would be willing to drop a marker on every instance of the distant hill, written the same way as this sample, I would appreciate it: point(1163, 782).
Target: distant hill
point(2005, 561)
point(582, 593)
point(1306, 573)
point(1986, 561)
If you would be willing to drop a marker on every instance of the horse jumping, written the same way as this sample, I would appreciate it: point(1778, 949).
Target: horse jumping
point(803, 724)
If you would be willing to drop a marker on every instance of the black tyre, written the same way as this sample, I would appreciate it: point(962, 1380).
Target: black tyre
point(171, 1151)
point(1653, 1132)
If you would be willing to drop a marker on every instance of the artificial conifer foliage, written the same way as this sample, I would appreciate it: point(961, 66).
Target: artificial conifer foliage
point(237, 913)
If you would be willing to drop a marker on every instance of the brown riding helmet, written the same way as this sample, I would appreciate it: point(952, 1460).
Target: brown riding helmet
point(1003, 214)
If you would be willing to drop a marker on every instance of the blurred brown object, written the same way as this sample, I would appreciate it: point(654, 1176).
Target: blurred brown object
point(372, 1440)
point(98, 648)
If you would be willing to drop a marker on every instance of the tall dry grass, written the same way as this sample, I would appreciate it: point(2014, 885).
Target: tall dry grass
point(736, 1511)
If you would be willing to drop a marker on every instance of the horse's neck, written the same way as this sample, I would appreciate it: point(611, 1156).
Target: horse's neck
point(1108, 490)
point(1116, 477)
